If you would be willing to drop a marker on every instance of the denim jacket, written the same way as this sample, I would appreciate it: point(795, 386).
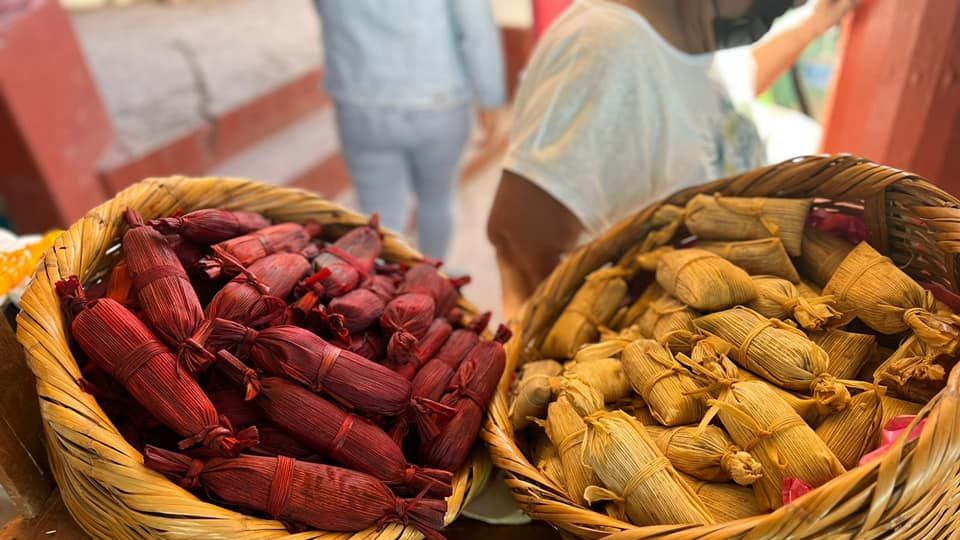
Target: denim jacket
point(412, 53)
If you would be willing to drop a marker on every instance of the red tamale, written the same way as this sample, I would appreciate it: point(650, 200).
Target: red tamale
point(406, 358)
point(347, 439)
point(240, 252)
point(276, 442)
point(369, 344)
point(229, 403)
point(349, 260)
point(360, 308)
point(211, 225)
point(425, 278)
point(320, 496)
point(168, 303)
point(120, 344)
point(470, 392)
point(257, 294)
point(241, 413)
point(407, 318)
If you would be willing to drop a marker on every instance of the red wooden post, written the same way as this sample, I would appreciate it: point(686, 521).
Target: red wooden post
point(53, 126)
point(896, 96)
point(544, 12)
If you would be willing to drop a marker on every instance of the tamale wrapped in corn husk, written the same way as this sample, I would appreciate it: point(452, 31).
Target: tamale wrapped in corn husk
point(636, 473)
point(893, 407)
point(566, 429)
point(536, 385)
point(632, 314)
point(604, 374)
point(748, 218)
point(776, 351)
point(549, 368)
point(584, 398)
point(911, 372)
point(609, 346)
point(870, 286)
point(708, 455)
point(848, 351)
point(763, 257)
point(550, 466)
point(809, 408)
point(724, 501)
point(666, 316)
point(779, 299)
point(662, 382)
point(854, 431)
point(760, 422)
point(703, 280)
point(822, 254)
point(591, 307)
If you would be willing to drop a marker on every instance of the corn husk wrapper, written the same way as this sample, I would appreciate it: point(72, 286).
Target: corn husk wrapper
point(809, 408)
point(591, 307)
point(662, 383)
point(848, 351)
point(776, 351)
point(606, 375)
point(854, 431)
point(543, 454)
point(725, 501)
point(566, 429)
point(632, 313)
point(822, 254)
point(779, 299)
point(666, 317)
point(870, 286)
point(911, 372)
point(809, 290)
point(893, 407)
point(533, 395)
point(636, 473)
point(549, 368)
point(703, 280)
point(584, 398)
point(764, 257)
point(709, 455)
point(609, 346)
point(748, 218)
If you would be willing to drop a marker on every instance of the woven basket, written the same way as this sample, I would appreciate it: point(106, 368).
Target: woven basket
point(102, 479)
point(912, 493)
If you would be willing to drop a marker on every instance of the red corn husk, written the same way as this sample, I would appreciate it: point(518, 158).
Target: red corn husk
point(308, 359)
point(245, 250)
point(406, 359)
point(230, 404)
point(432, 379)
point(320, 496)
point(187, 252)
point(407, 318)
point(359, 309)
point(369, 344)
point(120, 286)
point(168, 302)
point(350, 260)
point(211, 225)
point(350, 313)
point(325, 427)
point(425, 278)
point(120, 344)
point(257, 295)
point(472, 389)
point(276, 442)
point(241, 413)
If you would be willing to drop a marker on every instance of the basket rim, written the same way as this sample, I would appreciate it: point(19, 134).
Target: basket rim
point(879, 488)
point(105, 483)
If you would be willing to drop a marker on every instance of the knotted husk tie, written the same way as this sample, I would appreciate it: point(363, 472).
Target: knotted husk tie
point(709, 455)
point(779, 299)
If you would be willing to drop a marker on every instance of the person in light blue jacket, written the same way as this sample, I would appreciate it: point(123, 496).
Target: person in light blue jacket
point(406, 76)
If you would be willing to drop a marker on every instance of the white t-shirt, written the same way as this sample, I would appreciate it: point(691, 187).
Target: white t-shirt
point(610, 117)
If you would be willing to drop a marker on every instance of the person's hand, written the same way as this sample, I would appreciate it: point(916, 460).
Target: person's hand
point(827, 13)
point(488, 120)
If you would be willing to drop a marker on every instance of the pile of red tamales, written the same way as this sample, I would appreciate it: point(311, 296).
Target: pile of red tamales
point(286, 375)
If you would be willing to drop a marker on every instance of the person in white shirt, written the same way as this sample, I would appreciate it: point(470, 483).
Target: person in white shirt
point(625, 102)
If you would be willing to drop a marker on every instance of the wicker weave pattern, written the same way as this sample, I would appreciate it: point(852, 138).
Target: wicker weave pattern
point(912, 493)
point(102, 478)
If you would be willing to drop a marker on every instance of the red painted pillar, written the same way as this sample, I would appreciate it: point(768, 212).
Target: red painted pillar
point(896, 96)
point(544, 12)
point(53, 126)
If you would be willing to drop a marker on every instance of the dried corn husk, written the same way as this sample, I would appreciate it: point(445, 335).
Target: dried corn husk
point(847, 351)
point(724, 501)
point(609, 346)
point(584, 398)
point(549, 465)
point(870, 286)
point(809, 290)
point(632, 313)
point(637, 474)
point(566, 429)
point(708, 455)
point(662, 382)
point(809, 408)
point(532, 396)
point(666, 316)
point(822, 254)
point(637, 408)
point(748, 218)
point(604, 374)
point(764, 257)
point(779, 299)
point(893, 407)
point(776, 351)
point(703, 280)
point(591, 307)
point(911, 372)
point(854, 431)
point(762, 423)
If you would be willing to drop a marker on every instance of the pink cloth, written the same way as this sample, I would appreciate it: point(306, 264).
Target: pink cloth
point(850, 228)
point(896, 427)
point(793, 489)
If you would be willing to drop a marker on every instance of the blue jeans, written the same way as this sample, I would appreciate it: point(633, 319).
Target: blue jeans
point(393, 151)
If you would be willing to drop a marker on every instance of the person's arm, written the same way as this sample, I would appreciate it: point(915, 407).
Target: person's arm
point(775, 54)
point(482, 53)
point(530, 231)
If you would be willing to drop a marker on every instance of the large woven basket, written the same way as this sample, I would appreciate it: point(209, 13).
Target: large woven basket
point(912, 493)
point(102, 478)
